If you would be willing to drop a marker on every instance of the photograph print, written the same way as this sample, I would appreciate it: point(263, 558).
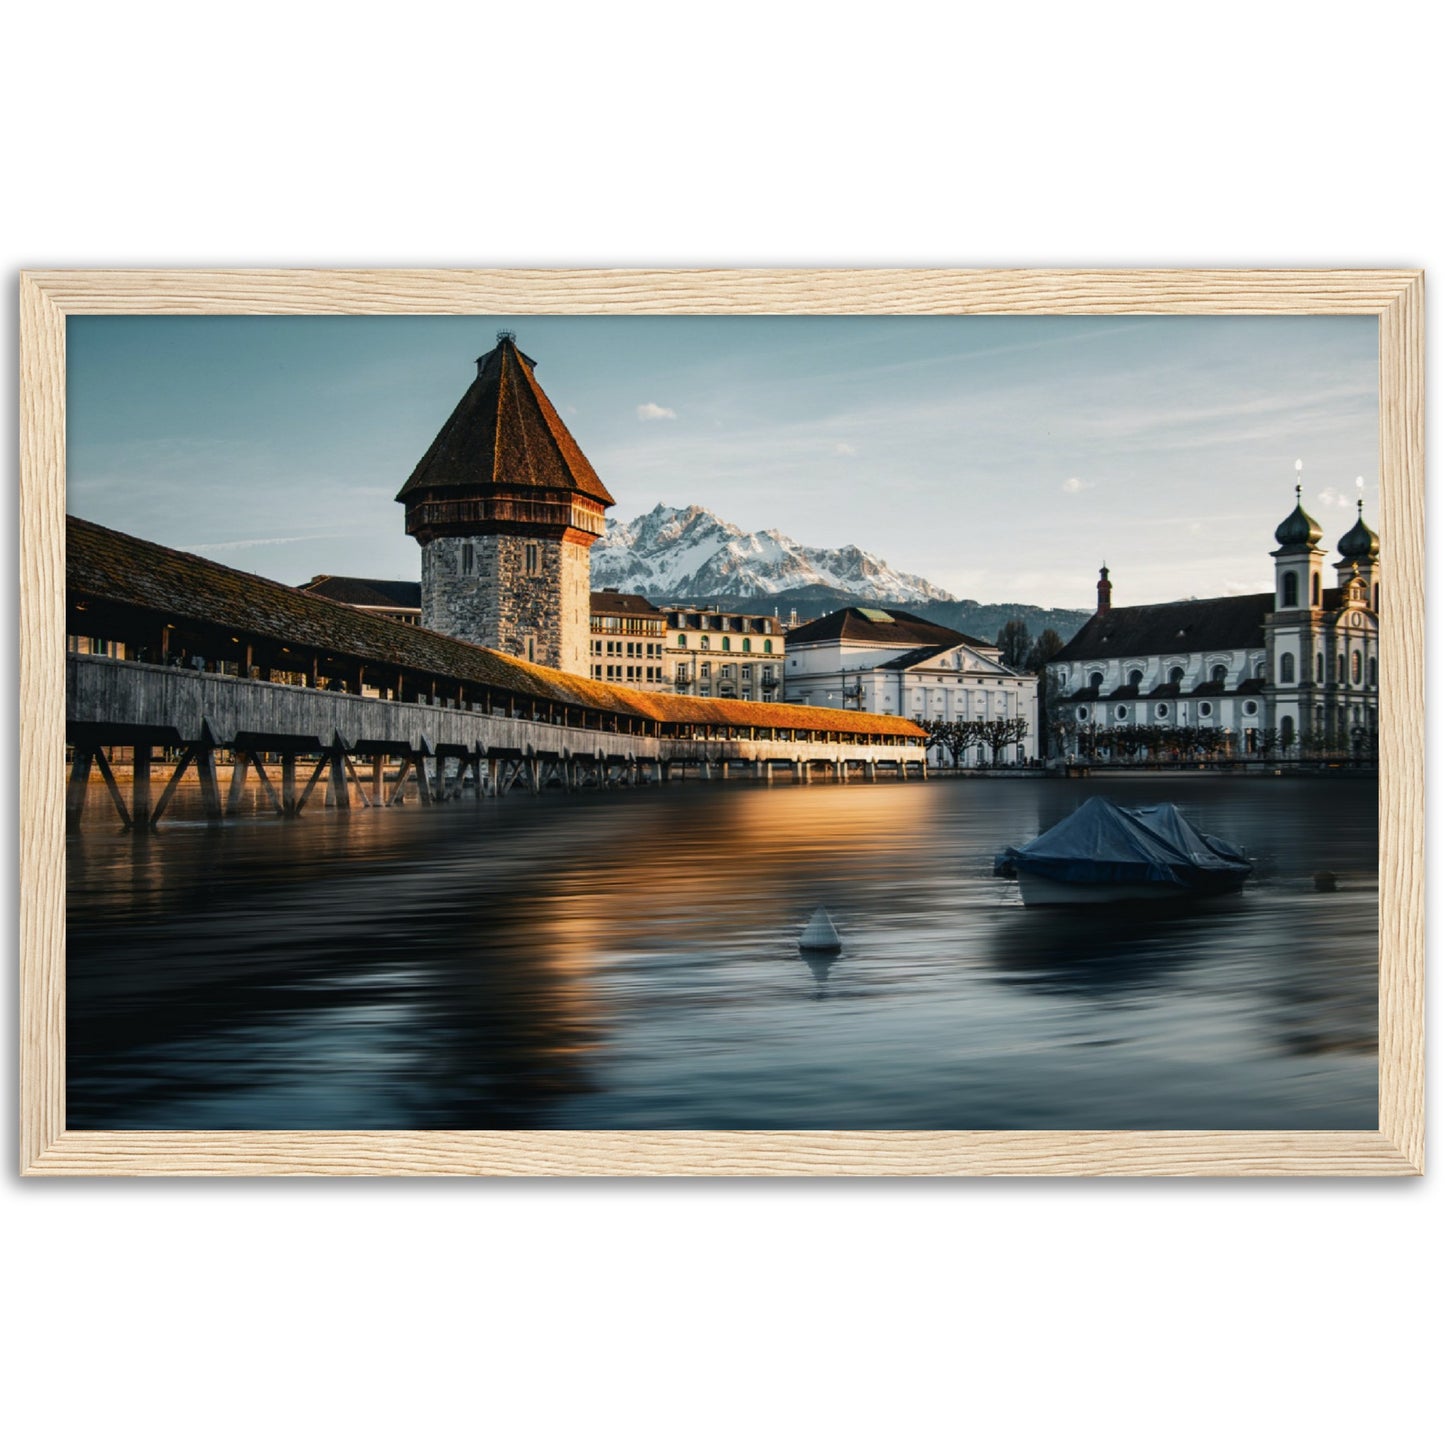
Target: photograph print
point(723, 722)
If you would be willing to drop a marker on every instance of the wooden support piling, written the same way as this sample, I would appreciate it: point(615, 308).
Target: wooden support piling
point(103, 763)
point(75, 793)
point(210, 789)
point(240, 769)
point(140, 786)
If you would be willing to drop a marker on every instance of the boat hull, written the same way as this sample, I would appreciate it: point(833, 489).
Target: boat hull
point(1040, 892)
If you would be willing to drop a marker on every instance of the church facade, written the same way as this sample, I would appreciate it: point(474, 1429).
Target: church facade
point(1288, 671)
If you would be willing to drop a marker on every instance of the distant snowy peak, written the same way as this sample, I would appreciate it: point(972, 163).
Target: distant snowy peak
point(691, 552)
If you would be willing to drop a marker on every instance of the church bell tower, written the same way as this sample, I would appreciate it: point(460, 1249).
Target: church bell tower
point(506, 509)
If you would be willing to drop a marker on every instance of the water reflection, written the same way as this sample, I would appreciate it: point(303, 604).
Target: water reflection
point(631, 960)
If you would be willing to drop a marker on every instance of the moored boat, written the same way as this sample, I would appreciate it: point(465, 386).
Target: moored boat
point(1104, 853)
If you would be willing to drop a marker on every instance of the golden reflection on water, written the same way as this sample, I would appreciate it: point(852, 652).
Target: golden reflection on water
point(630, 960)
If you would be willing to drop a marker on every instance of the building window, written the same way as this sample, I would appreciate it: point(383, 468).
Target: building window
point(1355, 673)
point(1135, 677)
point(1376, 603)
point(1121, 712)
point(1289, 590)
point(1340, 668)
point(747, 672)
point(531, 648)
point(531, 562)
point(1218, 673)
point(727, 644)
point(1315, 590)
point(705, 670)
point(682, 639)
point(1286, 732)
point(1250, 708)
point(1176, 675)
point(706, 642)
point(1374, 672)
point(1286, 667)
point(768, 645)
point(469, 559)
point(1319, 667)
point(1096, 679)
point(1205, 709)
point(1161, 709)
point(1083, 714)
point(747, 644)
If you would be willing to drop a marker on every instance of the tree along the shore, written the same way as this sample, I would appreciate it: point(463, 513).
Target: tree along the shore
point(956, 738)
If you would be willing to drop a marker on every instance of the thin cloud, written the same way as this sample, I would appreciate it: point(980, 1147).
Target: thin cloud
point(650, 411)
point(1333, 497)
point(844, 449)
point(1075, 485)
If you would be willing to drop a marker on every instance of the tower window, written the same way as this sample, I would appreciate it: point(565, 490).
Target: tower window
point(1218, 673)
point(1315, 590)
point(469, 559)
point(1289, 590)
point(531, 563)
point(1176, 675)
point(1286, 667)
point(1135, 677)
point(1355, 673)
point(531, 648)
point(1319, 667)
point(1376, 603)
point(1374, 672)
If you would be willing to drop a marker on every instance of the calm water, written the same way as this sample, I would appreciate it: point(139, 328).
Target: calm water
point(628, 960)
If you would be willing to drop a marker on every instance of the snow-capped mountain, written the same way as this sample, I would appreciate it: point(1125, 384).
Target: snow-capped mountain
point(675, 552)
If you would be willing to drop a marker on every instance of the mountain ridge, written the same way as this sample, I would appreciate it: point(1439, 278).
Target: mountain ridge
point(691, 557)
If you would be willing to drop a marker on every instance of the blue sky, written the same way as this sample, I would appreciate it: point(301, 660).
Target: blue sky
point(1001, 457)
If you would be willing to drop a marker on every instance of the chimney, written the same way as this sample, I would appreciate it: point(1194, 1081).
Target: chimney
point(1105, 589)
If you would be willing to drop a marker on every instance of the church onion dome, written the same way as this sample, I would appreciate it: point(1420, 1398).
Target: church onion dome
point(1359, 544)
point(1299, 529)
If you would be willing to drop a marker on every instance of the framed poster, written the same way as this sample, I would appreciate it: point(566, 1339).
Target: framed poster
point(693, 843)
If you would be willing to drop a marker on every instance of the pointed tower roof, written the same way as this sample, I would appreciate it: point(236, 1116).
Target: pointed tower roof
point(505, 432)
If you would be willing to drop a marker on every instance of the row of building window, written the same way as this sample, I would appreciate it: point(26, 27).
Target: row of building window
point(1356, 666)
point(727, 643)
point(726, 671)
point(622, 672)
point(627, 649)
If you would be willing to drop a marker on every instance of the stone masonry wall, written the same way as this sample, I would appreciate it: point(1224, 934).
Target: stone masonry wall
point(503, 605)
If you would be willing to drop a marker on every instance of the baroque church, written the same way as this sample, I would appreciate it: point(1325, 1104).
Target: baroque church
point(1297, 667)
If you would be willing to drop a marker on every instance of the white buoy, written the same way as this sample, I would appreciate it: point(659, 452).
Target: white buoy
point(820, 936)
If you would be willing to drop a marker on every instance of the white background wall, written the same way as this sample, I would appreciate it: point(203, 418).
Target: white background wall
point(290, 1310)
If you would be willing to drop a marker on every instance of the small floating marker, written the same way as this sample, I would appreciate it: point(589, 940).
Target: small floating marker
point(820, 936)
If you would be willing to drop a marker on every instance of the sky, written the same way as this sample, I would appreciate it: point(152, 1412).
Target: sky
point(1002, 458)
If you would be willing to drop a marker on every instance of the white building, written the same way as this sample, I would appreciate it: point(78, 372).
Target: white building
point(1301, 661)
point(885, 661)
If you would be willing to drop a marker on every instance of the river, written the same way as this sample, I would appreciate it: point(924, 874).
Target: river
point(629, 960)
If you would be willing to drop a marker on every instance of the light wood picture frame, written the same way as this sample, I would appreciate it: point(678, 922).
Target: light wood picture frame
point(47, 298)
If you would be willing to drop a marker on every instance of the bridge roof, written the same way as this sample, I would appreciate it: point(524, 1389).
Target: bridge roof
point(111, 567)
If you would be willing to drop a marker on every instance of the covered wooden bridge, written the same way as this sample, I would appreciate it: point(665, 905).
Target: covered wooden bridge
point(171, 652)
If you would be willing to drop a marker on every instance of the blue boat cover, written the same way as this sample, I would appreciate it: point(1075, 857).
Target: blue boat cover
point(1100, 842)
